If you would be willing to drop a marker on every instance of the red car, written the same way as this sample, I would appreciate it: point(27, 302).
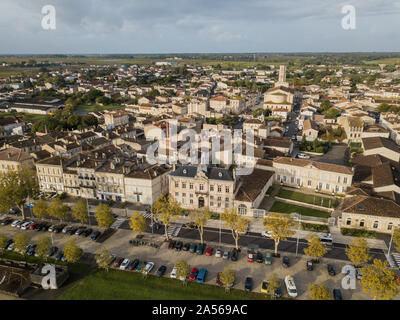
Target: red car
point(218, 282)
point(193, 274)
point(250, 257)
point(32, 226)
point(209, 251)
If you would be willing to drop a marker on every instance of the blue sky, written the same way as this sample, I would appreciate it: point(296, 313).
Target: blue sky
point(180, 26)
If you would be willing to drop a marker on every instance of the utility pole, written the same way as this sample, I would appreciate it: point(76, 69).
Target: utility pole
point(298, 233)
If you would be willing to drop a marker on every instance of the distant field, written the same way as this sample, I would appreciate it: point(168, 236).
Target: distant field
point(90, 108)
point(384, 61)
point(122, 285)
point(26, 116)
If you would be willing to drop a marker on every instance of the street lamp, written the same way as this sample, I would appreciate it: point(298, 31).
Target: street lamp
point(298, 218)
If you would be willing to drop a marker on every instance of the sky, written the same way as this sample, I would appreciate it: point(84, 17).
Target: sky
point(198, 26)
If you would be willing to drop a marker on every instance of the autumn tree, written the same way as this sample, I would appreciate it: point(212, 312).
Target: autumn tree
point(21, 242)
point(281, 227)
point(236, 223)
point(137, 222)
point(273, 284)
point(41, 208)
point(43, 246)
point(103, 258)
point(357, 252)
point(379, 281)
point(315, 248)
point(80, 211)
point(3, 241)
point(103, 215)
point(227, 277)
point(200, 219)
point(166, 210)
point(16, 187)
point(72, 252)
point(58, 210)
point(319, 291)
point(396, 238)
point(182, 270)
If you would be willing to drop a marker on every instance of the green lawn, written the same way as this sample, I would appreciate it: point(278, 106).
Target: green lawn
point(90, 108)
point(306, 198)
point(282, 207)
point(123, 285)
point(26, 116)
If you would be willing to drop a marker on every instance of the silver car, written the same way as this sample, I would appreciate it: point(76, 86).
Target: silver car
point(218, 253)
point(226, 255)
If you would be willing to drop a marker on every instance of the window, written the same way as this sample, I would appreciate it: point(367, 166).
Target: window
point(338, 179)
point(184, 185)
point(345, 180)
point(201, 187)
point(226, 205)
point(292, 179)
point(211, 197)
point(362, 223)
point(348, 221)
point(211, 204)
point(191, 195)
point(375, 226)
point(242, 209)
point(227, 189)
point(183, 200)
point(219, 188)
point(219, 204)
point(191, 201)
point(183, 194)
point(227, 199)
point(309, 183)
point(176, 184)
point(191, 185)
point(176, 194)
point(390, 226)
point(211, 187)
point(327, 186)
point(219, 198)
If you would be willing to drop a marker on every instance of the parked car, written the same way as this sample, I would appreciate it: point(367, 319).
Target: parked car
point(309, 265)
point(266, 234)
point(14, 210)
point(264, 286)
point(337, 294)
point(133, 264)
point(250, 256)
point(118, 262)
point(171, 244)
point(209, 251)
point(186, 247)
point(259, 257)
point(201, 276)
point(173, 273)
point(303, 156)
point(95, 235)
point(32, 226)
point(58, 228)
point(149, 266)
point(72, 231)
point(59, 255)
point(6, 221)
point(234, 255)
point(10, 246)
point(178, 246)
point(80, 230)
point(161, 270)
point(193, 274)
point(331, 270)
point(31, 250)
point(218, 253)
point(291, 286)
point(15, 223)
point(219, 283)
point(286, 262)
point(358, 274)
point(200, 249)
point(86, 232)
point(268, 259)
point(248, 284)
point(25, 225)
point(52, 251)
point(66, 229)
point(51, 228)
point(193, 248)
point(124, 264)
point(225, 255)
point(140, 266)
point(8, 243)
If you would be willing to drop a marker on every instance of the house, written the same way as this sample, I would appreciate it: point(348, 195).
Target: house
point(310, 130)
point(12, 159)
point(383, 146)
point(281, 144)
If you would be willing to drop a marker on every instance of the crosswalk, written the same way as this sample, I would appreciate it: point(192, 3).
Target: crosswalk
point(117, 223)
point(174, 229)
point(147, 215)
point(396, 257)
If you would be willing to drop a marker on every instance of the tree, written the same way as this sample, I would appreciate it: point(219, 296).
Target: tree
point(103, 258)
point(200, 219)
point(166, 210)
point(396, 238)
point(357, 251)
point(21, 241)
point(315, 248)
point(80, 211)
point(227, 277)
point(16, 186)
point(3, 241)
point(379, 281)
point(182, 270)
point(40, 209)
point(43, 246)
point(103, 215)
point(137, 222)
point(236, 223)
point(319, 291)
point(57, 209)
point(72, 252)
point(280, 227)
point(273, 284)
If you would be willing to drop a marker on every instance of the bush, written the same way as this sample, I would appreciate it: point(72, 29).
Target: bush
point(320, 149)
point(314, 227)
point(358, 233)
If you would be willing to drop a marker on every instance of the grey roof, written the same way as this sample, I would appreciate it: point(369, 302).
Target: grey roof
point(212, 173)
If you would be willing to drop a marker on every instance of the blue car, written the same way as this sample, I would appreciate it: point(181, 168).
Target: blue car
point(201, 276)
point(200, 249)
point(60, 255)
point(193, 248)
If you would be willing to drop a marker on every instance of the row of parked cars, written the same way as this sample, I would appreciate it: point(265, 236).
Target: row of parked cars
point(56, 228)
point(203, 249)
